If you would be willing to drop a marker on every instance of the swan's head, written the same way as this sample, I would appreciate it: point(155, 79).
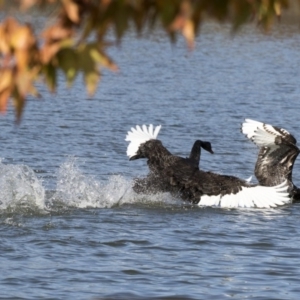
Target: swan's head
point(148, 149)
point(207, 146)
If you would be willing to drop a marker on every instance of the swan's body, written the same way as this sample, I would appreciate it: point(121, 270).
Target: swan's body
point(277, 154)
point(160, 162)
point(197, 186)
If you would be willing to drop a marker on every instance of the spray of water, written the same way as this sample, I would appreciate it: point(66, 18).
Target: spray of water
point(20, 189)
point(22, 192)
point(75, 189)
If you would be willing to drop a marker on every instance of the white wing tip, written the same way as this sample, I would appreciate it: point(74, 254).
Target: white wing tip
point(249, 127)
point(139, 135)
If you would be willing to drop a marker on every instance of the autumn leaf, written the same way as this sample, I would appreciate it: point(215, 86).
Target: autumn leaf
point(25, 4)
point(6, 79)
point(75, 40)
point(56, 32)
point(21, 38)
point(188, 33)
point(4, 96)
point(49, 51)
point(72, 10)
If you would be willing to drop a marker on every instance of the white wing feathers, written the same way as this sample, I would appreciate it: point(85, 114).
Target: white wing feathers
point(140, 135)
point(263, 135)
point(256, 196)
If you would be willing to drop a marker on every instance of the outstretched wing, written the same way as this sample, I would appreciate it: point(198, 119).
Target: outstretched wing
point(277, 153)
point(250, 196)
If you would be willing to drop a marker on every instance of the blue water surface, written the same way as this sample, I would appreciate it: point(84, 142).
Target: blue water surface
point(72, 228)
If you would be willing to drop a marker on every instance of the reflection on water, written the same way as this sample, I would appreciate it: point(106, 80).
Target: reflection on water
point(71, 226)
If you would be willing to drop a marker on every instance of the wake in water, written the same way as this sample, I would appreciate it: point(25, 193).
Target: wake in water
point(21, 191)
point(74, 189)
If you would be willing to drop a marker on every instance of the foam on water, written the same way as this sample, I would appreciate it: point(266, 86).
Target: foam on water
point(75, 189)
point(20, 188)
point(21, 191)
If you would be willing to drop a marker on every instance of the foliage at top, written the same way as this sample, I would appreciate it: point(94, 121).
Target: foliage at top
point(76, 41)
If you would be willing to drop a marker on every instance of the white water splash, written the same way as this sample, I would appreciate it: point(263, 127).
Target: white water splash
point(21, 190)
point(75, 189)
point(78, 190)
point(20, 187)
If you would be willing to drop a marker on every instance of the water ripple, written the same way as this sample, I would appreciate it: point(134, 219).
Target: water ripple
point(70, 224)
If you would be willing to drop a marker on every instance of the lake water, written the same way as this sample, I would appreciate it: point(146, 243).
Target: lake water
point(72, 228)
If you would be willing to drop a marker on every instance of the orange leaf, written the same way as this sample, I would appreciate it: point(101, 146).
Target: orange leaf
point(4, 46)
point(56, 32)
point(4, 95)
point(23, 83)
point(6, 79)
point(11, 24)
point(72, 10)
point(21, 38)
point(27, 3)
point(48, 51)
point(22, 58)
point(277, 8)
point(188, 33)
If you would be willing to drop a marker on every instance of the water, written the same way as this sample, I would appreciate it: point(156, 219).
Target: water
point(72, 228)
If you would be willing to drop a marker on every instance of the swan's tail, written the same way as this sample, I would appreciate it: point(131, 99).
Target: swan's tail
point(140, 135)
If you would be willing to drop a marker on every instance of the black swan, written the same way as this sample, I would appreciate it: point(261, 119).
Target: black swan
point(154, 183)
point(277, 154)
point(197, 186)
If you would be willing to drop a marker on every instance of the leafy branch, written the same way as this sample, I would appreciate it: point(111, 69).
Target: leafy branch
point(77, 40)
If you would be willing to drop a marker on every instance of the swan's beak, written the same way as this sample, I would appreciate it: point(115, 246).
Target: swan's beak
point(135, 157)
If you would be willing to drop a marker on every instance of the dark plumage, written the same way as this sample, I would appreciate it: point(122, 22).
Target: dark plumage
point(182, 175)
point(200, 183)
point(277, 154)
point(159, 160)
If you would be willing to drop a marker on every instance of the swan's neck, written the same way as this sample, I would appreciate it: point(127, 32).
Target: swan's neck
point(196, 152)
